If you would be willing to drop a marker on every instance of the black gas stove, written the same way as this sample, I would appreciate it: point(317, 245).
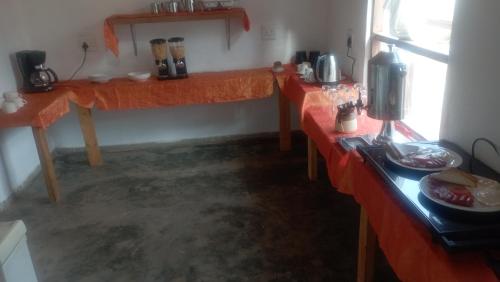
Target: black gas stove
point(455, 230)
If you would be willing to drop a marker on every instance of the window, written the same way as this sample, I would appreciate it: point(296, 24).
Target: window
point(421, 31)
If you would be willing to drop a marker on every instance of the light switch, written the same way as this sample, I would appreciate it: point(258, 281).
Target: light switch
point(268, 32)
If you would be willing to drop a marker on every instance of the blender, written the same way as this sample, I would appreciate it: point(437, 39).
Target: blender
point(179, 56)
point(159, 48)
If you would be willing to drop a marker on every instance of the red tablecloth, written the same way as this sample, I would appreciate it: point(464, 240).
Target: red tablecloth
point(319, 125)
point(305, 95)
point(405, 241)
point(41, 110)
point(199, 88)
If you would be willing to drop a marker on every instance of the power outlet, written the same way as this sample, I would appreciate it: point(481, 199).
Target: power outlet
point(349, 38)
point(90, 39)
point(268, 32)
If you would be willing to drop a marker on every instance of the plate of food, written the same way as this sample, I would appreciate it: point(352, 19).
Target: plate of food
point(459, 190)
point(423, 156)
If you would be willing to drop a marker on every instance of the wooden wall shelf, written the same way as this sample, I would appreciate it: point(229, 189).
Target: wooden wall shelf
point(143, 18)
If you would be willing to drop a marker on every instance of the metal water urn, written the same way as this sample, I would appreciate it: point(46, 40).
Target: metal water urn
point(386, 91)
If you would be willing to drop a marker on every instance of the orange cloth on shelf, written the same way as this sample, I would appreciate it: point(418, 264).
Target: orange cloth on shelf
point(407, 244)
point(111, 40)
point(41, 110)
point(200, 88)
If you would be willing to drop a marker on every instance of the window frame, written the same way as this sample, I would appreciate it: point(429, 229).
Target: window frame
point(407, 45)
point(375, 38)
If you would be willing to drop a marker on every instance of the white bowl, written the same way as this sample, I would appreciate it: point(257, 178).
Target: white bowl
point(99, 78)
point(139, 76)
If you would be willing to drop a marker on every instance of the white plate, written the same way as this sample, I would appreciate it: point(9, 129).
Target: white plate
point(139, 76)
point(477, 207)
point(99, 78)
point(454, 160)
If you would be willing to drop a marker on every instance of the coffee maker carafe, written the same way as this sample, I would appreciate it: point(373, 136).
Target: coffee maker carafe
point(36, 76)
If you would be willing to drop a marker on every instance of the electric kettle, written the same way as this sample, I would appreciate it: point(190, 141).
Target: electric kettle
point(327, 70)
point(386, 91)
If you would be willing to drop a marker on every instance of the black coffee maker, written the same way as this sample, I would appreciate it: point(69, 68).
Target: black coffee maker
point(36, 76)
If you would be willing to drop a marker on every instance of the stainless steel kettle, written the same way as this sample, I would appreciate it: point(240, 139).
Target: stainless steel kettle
point(327, 70)
point(386, 87)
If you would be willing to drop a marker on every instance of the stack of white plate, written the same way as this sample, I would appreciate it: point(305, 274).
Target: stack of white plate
point(99, 78)
point(139, 76)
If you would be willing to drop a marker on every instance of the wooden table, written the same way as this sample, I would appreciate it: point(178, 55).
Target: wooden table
point(382, 216)
point(40, 112)
point(44, 109)
point(199, 88)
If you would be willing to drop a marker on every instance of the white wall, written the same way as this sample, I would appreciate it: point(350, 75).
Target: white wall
point(349, 17)
point(18, 156)
point(472, 98)
point(56, 25)
point(300, 25)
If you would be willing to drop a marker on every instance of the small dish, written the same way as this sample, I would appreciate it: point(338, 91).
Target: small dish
point(210, 5)
point(228, 4)
point(99, 78)
point(139, 76)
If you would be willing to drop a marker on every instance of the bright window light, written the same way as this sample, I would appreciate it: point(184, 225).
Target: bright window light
point(427, 25)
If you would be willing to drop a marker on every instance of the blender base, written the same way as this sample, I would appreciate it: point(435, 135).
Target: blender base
point(170, 77)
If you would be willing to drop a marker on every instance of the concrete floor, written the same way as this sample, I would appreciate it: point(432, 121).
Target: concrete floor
point(224, 210)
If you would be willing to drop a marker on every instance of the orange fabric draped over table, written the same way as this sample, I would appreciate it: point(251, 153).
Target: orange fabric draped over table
point(319, 125)
point(306, 95)
point(405, 241)
point(200, 88)
point(111, 40)
point(41, 110)
point(317, 117)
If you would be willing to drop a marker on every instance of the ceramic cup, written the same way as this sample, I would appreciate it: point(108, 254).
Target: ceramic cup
point(309, 75)
point(303, 67)
point(9, 107)
point(20, 102)
point(9, 96)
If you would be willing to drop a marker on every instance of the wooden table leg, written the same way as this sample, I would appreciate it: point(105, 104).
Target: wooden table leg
point(312, 160)
point(366, 249)
point(48, 170)
point(89, 136)
point(285, 127)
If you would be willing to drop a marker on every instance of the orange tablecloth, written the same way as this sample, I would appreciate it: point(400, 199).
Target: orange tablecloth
point(305, 95)
point(111, 40)
point(201, 88)
point(319, 125)
point(405, 241)
point(41, 110)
